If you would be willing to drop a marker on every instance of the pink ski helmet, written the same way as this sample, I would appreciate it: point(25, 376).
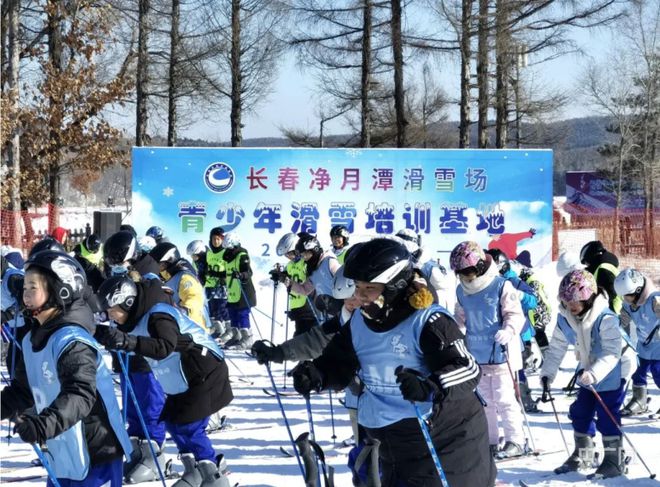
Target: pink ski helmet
point(577, 285)
point(466, 254)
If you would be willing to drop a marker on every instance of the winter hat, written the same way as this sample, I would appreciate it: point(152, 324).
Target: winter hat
point(60, 234)
point(13, 256)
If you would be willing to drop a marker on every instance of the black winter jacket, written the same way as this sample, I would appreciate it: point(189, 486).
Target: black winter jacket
point(78, 398)
point(208, 378)
point(605, 277)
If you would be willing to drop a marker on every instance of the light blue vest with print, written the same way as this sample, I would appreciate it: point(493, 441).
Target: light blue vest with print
point(350, 399)
point(483, 319)
point(169, 371)
point(322, 278)
point(173, 284)
point(645, 322)
point(67, 452)
point(379, 354)
point(8, 301)
point(613, 380)
point(566, 329)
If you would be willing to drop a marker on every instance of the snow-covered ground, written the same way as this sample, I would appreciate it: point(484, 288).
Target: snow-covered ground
point(252, 443)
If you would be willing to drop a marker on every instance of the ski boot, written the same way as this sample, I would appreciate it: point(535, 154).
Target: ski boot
point(211, 475)
point(191, 476)
point(216, 422)
point(614, 460)
point(638, 404)
point(244, 342)
point(582, 457)
point(145, 470)
point(526, 396)
point(136, 455)
point(230, 337)
point(510, 449)
point(218, 328)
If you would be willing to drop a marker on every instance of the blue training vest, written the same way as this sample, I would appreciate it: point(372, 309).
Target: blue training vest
point(350, 399)
point(173, 284)
point(322, 278)
point(645, 322)
point(169, 371)
point(67, 452)
point(613, 380)
point(379, 354)
point(483, 319)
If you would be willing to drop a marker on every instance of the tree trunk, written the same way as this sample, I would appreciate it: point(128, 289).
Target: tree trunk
point(14, 147)
point(141, 112)
point(56, 110)
point(365, 115)
point(466, 54)
point(482, 75)
point(172, 85)
point(399, 95)
point(502, 72)
point(236, 76)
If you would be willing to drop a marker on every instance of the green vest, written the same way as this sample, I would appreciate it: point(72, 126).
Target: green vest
point(233, 284)
point(215, 263)
point(342, 256)
point(617, 302)
point(298, 272)
point(94, 257)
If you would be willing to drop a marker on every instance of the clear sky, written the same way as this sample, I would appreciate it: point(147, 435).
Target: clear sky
point(292, 102)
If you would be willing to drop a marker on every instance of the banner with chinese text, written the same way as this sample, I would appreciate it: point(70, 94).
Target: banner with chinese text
point(446, 196)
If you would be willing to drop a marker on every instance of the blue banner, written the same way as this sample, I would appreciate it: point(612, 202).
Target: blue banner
point(446, 196)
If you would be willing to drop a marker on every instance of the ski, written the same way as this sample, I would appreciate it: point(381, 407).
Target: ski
point(527, 456)
point(231, 427)
point(286, 452)
point(270, 392)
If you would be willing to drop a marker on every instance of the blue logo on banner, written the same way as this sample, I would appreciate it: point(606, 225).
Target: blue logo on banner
point(219, 177)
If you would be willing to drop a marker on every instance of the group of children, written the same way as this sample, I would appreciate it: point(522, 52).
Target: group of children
point(378, 319)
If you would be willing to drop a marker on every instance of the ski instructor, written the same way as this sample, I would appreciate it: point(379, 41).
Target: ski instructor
point(406, 349)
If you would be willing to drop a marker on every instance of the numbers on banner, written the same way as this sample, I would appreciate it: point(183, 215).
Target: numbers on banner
point(266, 252)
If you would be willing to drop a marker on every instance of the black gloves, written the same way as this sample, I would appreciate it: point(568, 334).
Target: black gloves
point(30, 428)
point(7, 315)
point(306, 378)
point(414, 386)
point(546, 396)
point(237, 275)
point(266, 352)
point(114, 339)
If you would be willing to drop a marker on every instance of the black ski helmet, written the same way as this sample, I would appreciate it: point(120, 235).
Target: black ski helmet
point(500, 259)
point(46, 243)
point(308, 242)
point(117, 291)
point(381, 260)
point(66, 275)
point(165, 252)
point(128, 228)
point(155, 232)
point(119, 248)
point(591, 251)
point(340, 231)
point(92, 243)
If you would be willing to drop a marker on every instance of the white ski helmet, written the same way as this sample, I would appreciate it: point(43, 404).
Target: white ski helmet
point(146, 244)
point(343, 287)
point(232, 240)
point(196, 247)
point(286, 244)
point(409, 238)
point(567, 262)
point(629, 281)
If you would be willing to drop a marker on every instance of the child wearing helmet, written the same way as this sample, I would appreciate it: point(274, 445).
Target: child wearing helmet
point(403, 352)
point(179, 276)
point(586, 321)
point(215, 284)
point(604, 265)
point(188, 364)
point(339, 237)
point(241, 295)
point(641, 307)
point(122, 255)
point(83, 430)
point(489, 310)
point(89, 254)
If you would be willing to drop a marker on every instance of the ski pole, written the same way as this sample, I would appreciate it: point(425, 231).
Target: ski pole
point(286, 421)
point(623, 433)
point(46, 464)
point(286, 337)
point(129, 386)
point(429, 444)
point(547, 397)
point(332, 416)
point(243, 377)
point(310, 420)
point(516, 388)
point(240, 285)
point(272, 316)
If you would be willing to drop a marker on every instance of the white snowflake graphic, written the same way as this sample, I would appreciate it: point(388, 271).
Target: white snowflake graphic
point(168, 191)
